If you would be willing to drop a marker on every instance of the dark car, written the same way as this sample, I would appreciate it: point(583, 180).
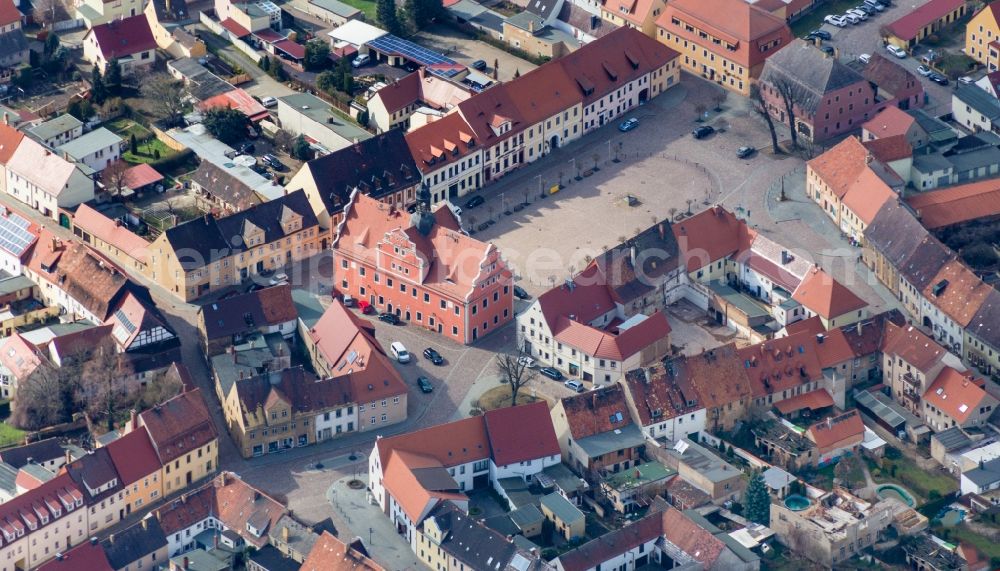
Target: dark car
point(628, 125)
point(246, 149)
point(938, 79)
point(745, 152)
point(551, 373)
point(433, 356)
point(519, 293)
point(474, 202)
point(821, 34)
point(273, 162)
point(479, 65)
point(389, 318)
point(828, 50)
point(411, 66)
point(425, 384)
point(702, 132)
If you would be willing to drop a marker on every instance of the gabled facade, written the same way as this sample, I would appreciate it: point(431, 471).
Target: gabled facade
point(129, 40)
point(596, 433)
point(43, 179)
point(982, 38)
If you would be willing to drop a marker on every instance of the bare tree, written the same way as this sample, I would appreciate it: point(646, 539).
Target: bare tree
point(47, 12)
point(283, 139)
point(514, 371)
point(760, 107)
point(164, 386)
point(113, 177)
point(719, 98)
point(47, 396)
point(105, 391)
point(789, 97)
point(167, 97)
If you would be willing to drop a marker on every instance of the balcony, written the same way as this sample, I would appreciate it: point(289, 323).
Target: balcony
point(912, 396)
point(909, 379)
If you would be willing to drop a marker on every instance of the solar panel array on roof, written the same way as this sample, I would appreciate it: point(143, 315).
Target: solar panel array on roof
point(14, 235)
point(889, 416)
point(391, 44)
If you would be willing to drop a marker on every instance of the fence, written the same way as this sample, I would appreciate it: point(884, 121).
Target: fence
point(67, 25)
point(239, 44)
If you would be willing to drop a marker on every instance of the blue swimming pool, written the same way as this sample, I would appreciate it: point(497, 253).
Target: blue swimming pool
point(894, 491)
point(797, 503)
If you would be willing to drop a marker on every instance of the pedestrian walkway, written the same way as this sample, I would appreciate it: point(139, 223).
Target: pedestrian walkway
point(352, 506)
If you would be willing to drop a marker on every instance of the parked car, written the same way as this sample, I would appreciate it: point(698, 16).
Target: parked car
point(866, 9)
point(399, 351)
point(389, 318)
point(365, 307)
point(828, 50)
point(860, 14)
point(361, 61)
point(526, 361)
point(852, 18)
point(349, 301)
point(433, 356)
point(479, 65)
point(246, 148)
point(269, 102)
point(875, 5)
point(273, 162)
point(519, 293)
point(628, 124)
point(703, 131)
point(278, 278)
point(835, 20)
point(865, 58)
point(939, 79)
point(821, 34)
point(425, 385)
point(575, 386)
point(745, 152)
point(966, 80)
point(924, 70)
point(551, 373)
point(896, 51)
point(474, 202)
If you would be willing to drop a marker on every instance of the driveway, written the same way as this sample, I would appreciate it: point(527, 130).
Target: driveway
point(465, 50)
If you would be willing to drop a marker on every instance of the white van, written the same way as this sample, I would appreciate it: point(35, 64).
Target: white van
point(575, 386)
point(361, 60)
point(399, 352)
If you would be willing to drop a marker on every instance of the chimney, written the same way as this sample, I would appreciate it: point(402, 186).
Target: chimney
point(187, 562)
point(93, 541)
point(6, 118)
point(145, 523)
point(663, 230)
point(222, 477)
point(284, 534)
point(785, 257)
point(111, 538)
point(55, 244)
point(531, 26)
point(858, 328)
point(69, 458)
point(133, 420)
point(631, 254)
point(819, 338)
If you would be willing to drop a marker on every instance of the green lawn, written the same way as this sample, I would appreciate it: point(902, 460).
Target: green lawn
point(987, 546)
point(10, 436)
point(813, 20)
point(125, 128)
point(366, 6)
point(910, 476)
point(147, 152)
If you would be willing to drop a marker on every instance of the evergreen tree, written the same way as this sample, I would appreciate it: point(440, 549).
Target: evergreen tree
point(317, 55)
point(756, 500)
point(51, 44)
point(386, 13)
point(264, 63)
point(113, 76)
point(133, 144)
point(226, 124)
point(98, 90)
point(300, 149)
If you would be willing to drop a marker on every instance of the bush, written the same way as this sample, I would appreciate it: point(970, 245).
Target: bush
point(165, 165)
point(933, 495)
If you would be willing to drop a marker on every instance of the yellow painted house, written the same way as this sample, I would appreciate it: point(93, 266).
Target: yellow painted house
point(638, 14)
point(982, 37)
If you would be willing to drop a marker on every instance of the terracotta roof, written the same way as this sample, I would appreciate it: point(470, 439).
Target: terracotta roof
point(141, 175)
point(907, 27)
point(521, 433)
point(659, 393)
point(840, 167)
point(400, 93)
point(234, 28)
point(10, 138)
point(844, 430)
point(717, 375)
point(813, 400)
point(911, 345)
point(889, 122)
point(891, 77)
point(596, 412)
point(956, 394)
point(331, 554)
point(710, 235)
point(9, 14)
point(617, 345)
point(825, 296)
point(125, 37)
point(743, 26)
point(448, 444)
point(236, 99)
point(20, 357)
point(779, 365)
point(587, 298)
point(813, 325)
point(890, 148)
point(867, 337)
point(111, 232)
point(87, 555)
point(957, 204)
point(833, 347)
point(868, 193)
point(635, 11)
point(134, 456)
point(60, 493)
point(179, 425)
point(957, 291)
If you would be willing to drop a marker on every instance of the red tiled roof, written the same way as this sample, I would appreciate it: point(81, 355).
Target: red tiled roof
point(866, 196)
point(957, 204)
point(120, 38)
point(834, 348)
point(840, 166)
point(269, 35)
point(910, 344)
point(330, 554)
point(890, 148)
point(134, 456)
point(812, 325)
point(10, 138)
point(592, 412)
point(111, 232)
point(839, 431)
point(9, 13)
point(179, 425)
point(907, 27)
point(400, 93)
point(237, 99)
point(87, 555)
point(777, 365)
point(813, 400)
point(889, 122)
point(955, 394)
point(710, 235)
point(962, 295)
point(141, 175)
point(825, 296)
point(603, 344)
point(521, 433)
point(234, 28)
point(296, 50)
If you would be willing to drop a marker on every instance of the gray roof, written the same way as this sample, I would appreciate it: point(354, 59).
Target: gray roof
point(926, 549)
point(527, 21)
point(489, 19)
point(320, 111)
point(301, 537)
point(14, 284)
point(985, 325)
point(928, 258)
point(953, 439)
point(13, 43)
point(38, 472)
point(544, 8)
point(776, 478)
point(40, 451)
point(562, 508)
point(90, 142)
point(8, 477)
point(987, 473)
point(895, 233)
point(618, 439)
point(133, 543)
point(307, 306)
point(269, 558)
point(565, 479)
point(979, 100)
point(201, 83)
point(57, 126)
point(811, 73)
point(735, 546)
point(526, 516)
point(469, 541)
point(884, 409)
point(467, 9)
point(247, 360)
point(706, 463)
point(336, 7)
point(936, 129)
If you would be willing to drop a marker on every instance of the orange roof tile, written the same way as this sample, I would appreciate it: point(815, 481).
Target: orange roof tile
point(956, 394)
point(10, 138)
point(867, 195)
point(957, 291)
point(890, 148)
point(111, 232)
point(957, 204)
point(781, 364)
point(331, 554)
point(825, 296)
point(813, 400)
point(840, 166)
point(521, 433)
point(710, 235)
point(889, 122)
point(913, 346)
point(836, 432)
